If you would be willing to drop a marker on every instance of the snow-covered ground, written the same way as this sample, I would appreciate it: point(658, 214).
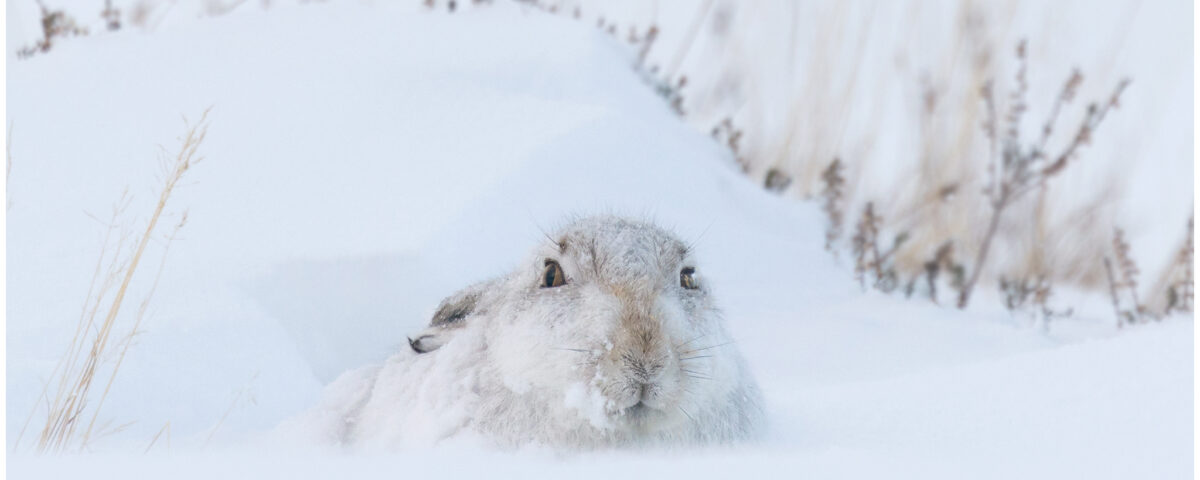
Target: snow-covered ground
point(364, 161)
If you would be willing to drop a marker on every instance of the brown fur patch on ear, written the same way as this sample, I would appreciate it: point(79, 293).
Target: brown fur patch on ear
point(455, 308)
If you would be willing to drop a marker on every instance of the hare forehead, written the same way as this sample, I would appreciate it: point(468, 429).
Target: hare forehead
point(619, 247)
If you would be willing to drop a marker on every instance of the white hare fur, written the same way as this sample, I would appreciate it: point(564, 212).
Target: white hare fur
point(625, 352)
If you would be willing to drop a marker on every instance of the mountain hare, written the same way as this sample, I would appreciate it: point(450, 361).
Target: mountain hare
point(606, 336)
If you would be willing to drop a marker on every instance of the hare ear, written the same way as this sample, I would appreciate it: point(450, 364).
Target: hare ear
point(455, 308)
point(452, 313)
point(429, 340)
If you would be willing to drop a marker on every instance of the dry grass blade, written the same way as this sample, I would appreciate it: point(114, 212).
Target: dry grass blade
point(92, 343)
point(141, 314)
point(165, 428)
point(865, 244)
point(87, 314)
point(689, 39)
point(8, 168)
point(1112, 291)
point(243, 392)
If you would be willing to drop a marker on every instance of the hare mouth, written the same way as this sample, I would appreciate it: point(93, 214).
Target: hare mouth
point(639, 414)
point(638, 409)
point(643, 412)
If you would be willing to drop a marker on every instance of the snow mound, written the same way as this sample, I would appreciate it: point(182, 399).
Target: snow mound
point(357, 175)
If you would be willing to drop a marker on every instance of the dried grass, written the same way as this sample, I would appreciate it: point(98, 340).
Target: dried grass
point(111, 16)
point(166, 428)
point(8, 168)
point(244, 394)
point(832, 201)
point(1122, 274)
point(1016, 167)
point(1175, 289)
point(94, 343)
point(818, 116)
point(56, 24)
point(1181, 292)
point(689, 39)
point(941, 206)
point(786, 137)
point(869, 258)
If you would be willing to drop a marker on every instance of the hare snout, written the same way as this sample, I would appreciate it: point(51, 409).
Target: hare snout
point(644, 377)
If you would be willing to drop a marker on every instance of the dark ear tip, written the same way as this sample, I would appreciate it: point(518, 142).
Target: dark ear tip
point(415, 344)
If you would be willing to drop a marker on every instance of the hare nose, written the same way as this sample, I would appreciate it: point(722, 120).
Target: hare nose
point(643, 390)
point(644, 372)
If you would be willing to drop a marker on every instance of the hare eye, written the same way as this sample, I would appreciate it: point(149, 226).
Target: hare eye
point(553, 276)
point(687, 278)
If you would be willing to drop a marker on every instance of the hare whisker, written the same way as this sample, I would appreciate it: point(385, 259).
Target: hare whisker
point(690, 341)
point(706, 348)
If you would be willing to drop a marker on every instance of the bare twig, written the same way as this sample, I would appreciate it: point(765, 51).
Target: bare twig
point(867, 255)
point(689, 39)
point(1181, 293)
point(1122, 277)
point(647, 44)
point(1019, 169)
point(1112, 291)
point(832, 201)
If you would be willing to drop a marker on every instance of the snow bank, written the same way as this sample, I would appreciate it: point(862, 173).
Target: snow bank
point(364, 161)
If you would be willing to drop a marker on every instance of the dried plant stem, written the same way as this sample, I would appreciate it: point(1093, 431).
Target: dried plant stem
point(1112, 291)
point(8, 168)
point(832, 198)
point(1020, 169)
point(68, 358)
point(233, 403)
point(220, 422)
point(75, 383)
point(1181, 294)
point(981, 256)
point(165, 428)
point(87, 435)
point(688, 41)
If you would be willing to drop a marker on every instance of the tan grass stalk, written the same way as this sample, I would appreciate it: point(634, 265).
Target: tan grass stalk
point(673, 69)
point(243, 392)
point(8, 168)
point(75, 384)
point(86, 315)
point(165, 428)
point(141, 314)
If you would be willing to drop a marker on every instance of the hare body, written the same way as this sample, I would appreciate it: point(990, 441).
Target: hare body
point(606, 336)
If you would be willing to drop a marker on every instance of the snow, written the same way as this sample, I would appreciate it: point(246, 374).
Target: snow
point(364, 161)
